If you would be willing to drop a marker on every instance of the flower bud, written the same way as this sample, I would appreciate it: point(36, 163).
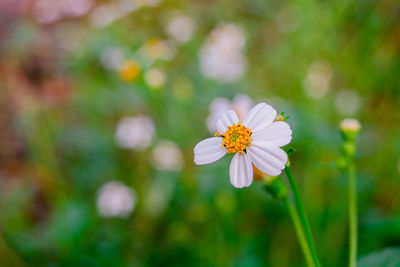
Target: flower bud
point(276, 187)
point(279, 117)
point(350, 128)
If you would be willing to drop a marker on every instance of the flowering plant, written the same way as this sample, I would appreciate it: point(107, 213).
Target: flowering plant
point(256, 141)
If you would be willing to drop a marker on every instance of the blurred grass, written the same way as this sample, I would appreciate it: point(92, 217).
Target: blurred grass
point(58, 146)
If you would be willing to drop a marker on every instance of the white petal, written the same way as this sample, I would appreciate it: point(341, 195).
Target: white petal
point(277, 133)
point(209, 150)
point(267, 158)
point(226, 119)
point(241, 171)
point(259, 117)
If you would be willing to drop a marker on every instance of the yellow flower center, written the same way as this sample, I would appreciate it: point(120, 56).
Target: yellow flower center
point(236, 138)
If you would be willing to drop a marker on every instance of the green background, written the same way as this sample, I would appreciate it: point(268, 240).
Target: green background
point(58, 147)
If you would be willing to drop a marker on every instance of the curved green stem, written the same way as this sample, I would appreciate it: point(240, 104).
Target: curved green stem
point(352, 216)
point(302, 214)
point(300, 232)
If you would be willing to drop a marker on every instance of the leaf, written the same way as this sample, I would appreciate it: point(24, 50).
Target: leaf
point(388, 257)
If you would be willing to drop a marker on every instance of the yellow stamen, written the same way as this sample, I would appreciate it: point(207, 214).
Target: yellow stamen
point(236, 138)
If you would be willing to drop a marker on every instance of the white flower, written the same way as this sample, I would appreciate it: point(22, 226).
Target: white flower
point(181, 28)
point(75, 8)
point(112, 58)
point(135, 132)
point(318, 79)
point(241, 104)
point(154, 78)
point(257, 140)
point(47, 11)
point(348, 102)
point(114, 199)
point(167, 156)
point(104, 14)
point(221, 57)
point(107, 13)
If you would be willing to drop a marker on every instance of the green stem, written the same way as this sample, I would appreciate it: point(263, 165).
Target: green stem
point(300, 232)
point(302, 214)
point(352, 216)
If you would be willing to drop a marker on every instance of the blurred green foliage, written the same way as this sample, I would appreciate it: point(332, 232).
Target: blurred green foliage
point(60, 108)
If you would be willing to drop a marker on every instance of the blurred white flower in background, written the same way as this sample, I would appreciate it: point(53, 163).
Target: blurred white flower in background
point(114, 199)
point(221, 57)
point(135, 132)
point(351, 125)
point(181, 28)
point(241, 104)
point(127, 6)
point(347, 102)
point(76, 8)
point(228, 37)
point(318, 79)
point(154, 78)
point(112, 58)
point(167, 156)
point(104, 14)
point(47, 11)
point(107, 13)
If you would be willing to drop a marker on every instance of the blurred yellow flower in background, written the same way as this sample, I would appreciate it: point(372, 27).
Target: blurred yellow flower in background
point(129, 71)
point(156, 48)
point(103, 101)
